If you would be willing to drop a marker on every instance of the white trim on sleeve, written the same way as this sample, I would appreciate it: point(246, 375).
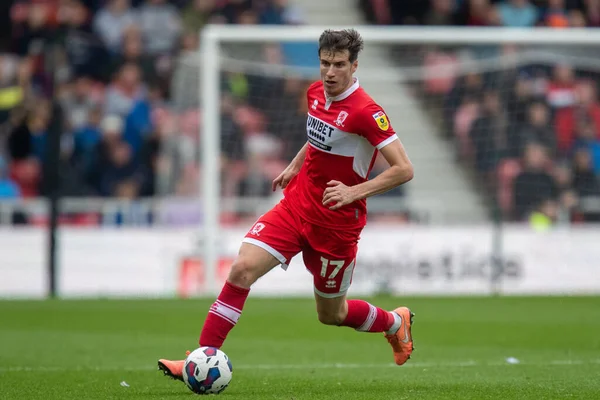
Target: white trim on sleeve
point(387, 141)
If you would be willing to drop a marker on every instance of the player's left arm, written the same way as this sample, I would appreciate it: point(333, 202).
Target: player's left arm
point(379, 132)
point(400, 171)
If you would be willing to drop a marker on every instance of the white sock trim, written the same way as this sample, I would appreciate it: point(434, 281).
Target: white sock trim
point(366, 326)
point(225, 311)
point(396, 325)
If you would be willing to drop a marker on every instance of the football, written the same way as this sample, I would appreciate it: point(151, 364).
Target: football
point(207, 370)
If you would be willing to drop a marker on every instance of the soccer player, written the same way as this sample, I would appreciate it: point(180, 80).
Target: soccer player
point(324, 207)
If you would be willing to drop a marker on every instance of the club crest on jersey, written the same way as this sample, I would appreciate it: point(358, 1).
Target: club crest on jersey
point(339, 121)
point(315, 104)
point(257, 228)
point(382, 121)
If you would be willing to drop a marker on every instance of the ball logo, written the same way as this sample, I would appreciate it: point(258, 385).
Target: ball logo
point(339, 121)
point(257, 228)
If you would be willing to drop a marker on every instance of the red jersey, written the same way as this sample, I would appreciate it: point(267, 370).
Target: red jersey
point(344, 134)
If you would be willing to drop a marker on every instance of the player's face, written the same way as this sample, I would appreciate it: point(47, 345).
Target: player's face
point(336, 71)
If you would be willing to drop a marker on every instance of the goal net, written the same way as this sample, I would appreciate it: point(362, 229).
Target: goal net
point(501, 125)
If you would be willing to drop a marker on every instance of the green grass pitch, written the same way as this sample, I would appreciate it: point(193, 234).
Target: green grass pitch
point(80, 349)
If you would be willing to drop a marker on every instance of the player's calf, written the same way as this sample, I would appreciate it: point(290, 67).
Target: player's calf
point(329, 317)
point(331, 310)
point(251, 263)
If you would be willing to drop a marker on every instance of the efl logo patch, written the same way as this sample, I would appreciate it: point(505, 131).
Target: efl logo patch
point(382, 121)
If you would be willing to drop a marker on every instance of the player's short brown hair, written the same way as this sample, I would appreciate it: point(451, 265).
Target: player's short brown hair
point(336, 41)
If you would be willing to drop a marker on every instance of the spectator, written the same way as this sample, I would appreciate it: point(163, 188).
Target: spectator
point(298, 54)
point(77, 101)
point(37, 123)
point(518, 99)
point(71, 181)
point(577, 19)
point(86, 138)
point(26, 173)
point(470, 85)
point(475, 13)
point(568, 118)
point(555, 14)
point(440, 13)
point(588, 139)
point(561, 89)
point(132, 52)
point(126, 91)
point(288, 118)
point(544, 216)
point(85, 51)
point(538, 129)
point(160, 24)
point(518, 13)
point(464, 119)
point(186, 73)
point(592, 11)
point(8, 188)
point(111, 22)
point(567, 196)
point(33, 34)
point(15, 81)
point(533, 186)
point(233, 9)
point(490, 134)
point(585, 181)
point(273, 12)
point(197, 14)
point(111, 129)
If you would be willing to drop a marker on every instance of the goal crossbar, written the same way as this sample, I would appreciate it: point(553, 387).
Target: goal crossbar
point(407, 35)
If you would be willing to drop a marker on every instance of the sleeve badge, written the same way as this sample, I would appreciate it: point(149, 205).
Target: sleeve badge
point(382, 121)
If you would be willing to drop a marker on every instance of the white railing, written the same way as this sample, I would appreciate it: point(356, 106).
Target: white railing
point(127, 212)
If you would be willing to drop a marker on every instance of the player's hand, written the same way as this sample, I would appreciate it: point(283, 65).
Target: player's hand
point(285, 177)
point(339, 193)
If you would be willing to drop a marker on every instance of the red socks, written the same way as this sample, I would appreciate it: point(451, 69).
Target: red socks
point(365, 317)
point(225, 312)
point(223, 315)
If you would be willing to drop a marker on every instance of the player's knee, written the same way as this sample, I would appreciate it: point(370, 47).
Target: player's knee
point(329, 317)
point(243, 273)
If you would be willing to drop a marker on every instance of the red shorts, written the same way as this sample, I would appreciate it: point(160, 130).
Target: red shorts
point(328, 254)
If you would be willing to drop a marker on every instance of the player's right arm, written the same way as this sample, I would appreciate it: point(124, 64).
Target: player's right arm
point(291, 170)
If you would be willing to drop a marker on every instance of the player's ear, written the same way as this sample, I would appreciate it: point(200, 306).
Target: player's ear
point(354, 66)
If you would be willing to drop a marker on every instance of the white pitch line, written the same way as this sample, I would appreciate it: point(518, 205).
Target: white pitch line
point(457, 364)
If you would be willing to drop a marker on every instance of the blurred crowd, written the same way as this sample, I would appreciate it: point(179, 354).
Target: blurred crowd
point(531, 133)
point(511, 13)
point(125, 73)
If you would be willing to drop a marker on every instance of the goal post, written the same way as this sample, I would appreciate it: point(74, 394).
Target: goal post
point(210, 95)
point(550, 47)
